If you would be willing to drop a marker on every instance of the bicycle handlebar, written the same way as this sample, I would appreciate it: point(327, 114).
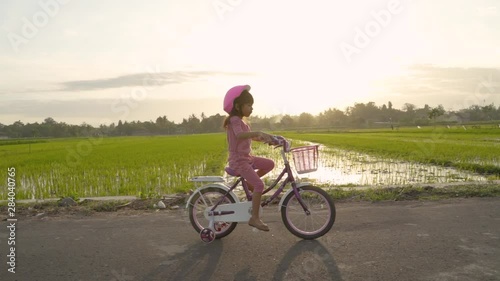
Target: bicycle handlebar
point(281, 141)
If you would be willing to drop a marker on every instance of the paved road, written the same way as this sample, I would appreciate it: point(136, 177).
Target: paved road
point(447, 240)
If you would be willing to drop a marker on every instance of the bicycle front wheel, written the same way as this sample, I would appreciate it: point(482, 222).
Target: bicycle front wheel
point(208, 197)
point(310, 225)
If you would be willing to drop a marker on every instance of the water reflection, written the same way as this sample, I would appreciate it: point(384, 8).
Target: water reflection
point(341, 167)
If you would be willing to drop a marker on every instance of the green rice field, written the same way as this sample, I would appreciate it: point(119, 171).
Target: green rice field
point(156, 165)
point(139, 166)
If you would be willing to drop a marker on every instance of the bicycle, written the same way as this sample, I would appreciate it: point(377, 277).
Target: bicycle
point(217, 204)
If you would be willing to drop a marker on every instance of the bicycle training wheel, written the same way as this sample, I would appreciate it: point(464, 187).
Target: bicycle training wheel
point(313, 225)
point(208, 198)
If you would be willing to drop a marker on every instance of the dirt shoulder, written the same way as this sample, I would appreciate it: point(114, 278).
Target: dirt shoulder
point(68, 207)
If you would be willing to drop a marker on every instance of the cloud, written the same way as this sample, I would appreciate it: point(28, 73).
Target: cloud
point(147, 80)
point(142, 80)
point(105, 111)
point(433, 80)
point(453, 87)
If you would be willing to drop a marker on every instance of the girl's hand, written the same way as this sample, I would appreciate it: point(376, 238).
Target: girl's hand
point(266, 138)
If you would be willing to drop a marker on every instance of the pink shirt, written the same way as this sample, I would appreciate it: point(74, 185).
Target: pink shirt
point(238, 147)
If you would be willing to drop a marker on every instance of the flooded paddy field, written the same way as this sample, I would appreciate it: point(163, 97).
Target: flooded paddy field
point(156, 165)
point(409, 157)
point(339, 167)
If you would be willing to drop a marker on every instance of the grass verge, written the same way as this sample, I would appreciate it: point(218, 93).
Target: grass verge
point(339, 194)
point(427, 192)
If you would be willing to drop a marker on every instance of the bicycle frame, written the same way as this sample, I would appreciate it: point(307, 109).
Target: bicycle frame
point(223, 209)
point(289, 179)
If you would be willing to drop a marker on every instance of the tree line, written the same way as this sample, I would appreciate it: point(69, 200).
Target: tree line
point(361, 115)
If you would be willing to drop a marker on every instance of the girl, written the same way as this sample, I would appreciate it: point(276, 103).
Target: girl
point(238, 103)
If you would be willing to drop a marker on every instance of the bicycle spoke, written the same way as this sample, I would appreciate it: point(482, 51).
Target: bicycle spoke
point(319, 219)
point(207, 199)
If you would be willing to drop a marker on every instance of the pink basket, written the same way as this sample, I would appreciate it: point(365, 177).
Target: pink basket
point(305, 158)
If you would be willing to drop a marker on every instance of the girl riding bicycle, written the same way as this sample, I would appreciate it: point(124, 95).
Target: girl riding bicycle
point(238, 103)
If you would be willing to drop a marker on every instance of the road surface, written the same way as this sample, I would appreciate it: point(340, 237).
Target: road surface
point(456, 239)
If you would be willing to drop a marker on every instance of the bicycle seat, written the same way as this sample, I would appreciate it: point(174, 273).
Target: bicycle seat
point(232, 172)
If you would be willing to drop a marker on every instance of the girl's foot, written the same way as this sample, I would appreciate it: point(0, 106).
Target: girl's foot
point(257, 223)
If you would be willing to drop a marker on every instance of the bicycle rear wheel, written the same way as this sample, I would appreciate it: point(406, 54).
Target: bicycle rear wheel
point(315, 224)
point(208, 197)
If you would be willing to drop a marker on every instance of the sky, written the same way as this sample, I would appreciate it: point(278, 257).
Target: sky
point(102, 61)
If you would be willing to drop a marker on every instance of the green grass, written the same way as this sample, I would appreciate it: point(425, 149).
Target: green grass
point(140, 166)
point(415, 192)
point(148, 167)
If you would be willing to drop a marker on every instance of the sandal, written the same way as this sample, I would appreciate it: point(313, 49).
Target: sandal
point(259, 225)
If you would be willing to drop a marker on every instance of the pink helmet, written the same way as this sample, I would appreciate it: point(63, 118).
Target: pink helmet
point(231, 95)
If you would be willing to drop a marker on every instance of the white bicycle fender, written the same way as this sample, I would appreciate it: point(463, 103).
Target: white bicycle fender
point(216, 185)
point(299, 185)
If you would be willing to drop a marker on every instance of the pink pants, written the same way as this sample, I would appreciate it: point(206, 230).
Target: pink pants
point(246, 166)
